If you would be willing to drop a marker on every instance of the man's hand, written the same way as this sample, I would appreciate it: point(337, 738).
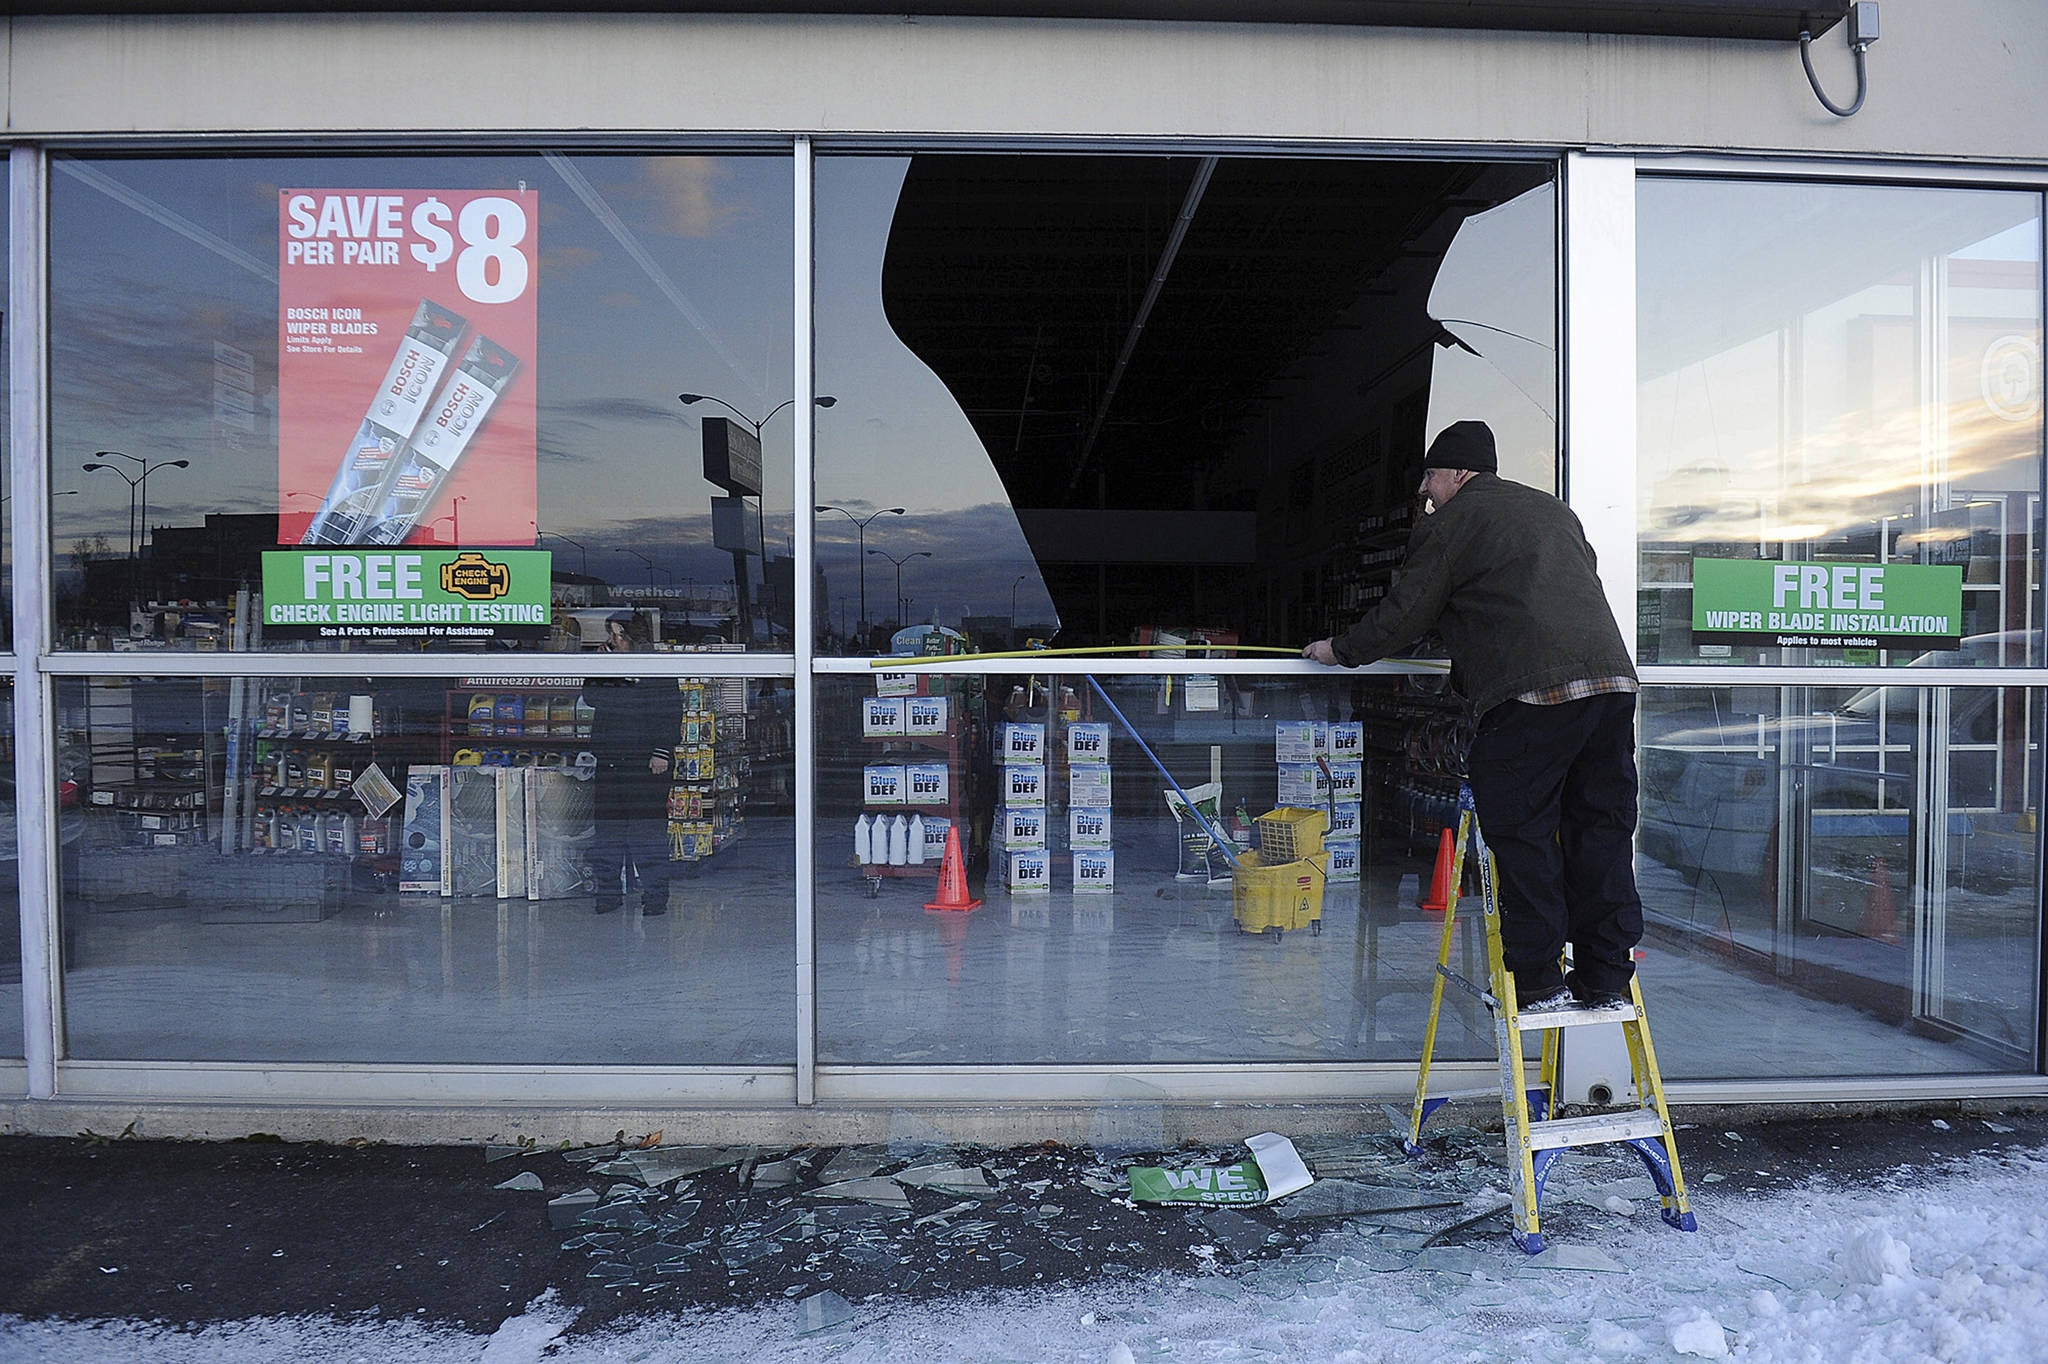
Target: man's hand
point(657, 765)
point(1320, 652)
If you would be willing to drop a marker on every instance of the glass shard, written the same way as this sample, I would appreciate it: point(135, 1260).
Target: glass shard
point(881, 1192)
point(1348, 1198)
point(525, 1181)
point(778, 1174)
point(854, 1162)
point(821, 1312)
point(947, 1179)
point(570, 1207)
point(665, 1163)
point(1458, 1260)
point(1237, 1236)
point(1591, 1259)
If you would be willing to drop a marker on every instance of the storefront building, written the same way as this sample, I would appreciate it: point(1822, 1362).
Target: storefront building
point(419, 421)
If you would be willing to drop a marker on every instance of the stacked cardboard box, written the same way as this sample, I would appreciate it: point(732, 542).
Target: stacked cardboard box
point(1089, 815)
point(1018, 844)
point(1297, 746)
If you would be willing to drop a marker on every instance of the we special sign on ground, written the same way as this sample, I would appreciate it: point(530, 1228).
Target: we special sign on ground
point(1825, 604)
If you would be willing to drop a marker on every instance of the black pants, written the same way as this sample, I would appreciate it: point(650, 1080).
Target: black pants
point(626, 851)
point(1555, 787)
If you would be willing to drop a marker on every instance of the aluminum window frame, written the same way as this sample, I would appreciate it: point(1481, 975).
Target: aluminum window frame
point(1596, 300)
point(1736, 168)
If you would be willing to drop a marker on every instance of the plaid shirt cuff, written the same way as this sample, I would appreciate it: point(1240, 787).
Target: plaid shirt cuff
point(1578, 690)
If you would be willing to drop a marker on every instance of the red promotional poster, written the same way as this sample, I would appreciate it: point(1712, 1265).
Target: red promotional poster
point(407, 324)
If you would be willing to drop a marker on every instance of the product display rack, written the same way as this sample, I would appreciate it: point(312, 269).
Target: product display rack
point(708, 774)
point(158, 776)
point(306, 753)
point(516, 726)
point(1414, 762)
point(952, 747)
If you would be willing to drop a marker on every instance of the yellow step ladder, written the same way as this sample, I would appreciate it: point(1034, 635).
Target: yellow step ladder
point(1535, 1142)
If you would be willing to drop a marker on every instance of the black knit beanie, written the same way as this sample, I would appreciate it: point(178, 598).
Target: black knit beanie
point(1463, 445)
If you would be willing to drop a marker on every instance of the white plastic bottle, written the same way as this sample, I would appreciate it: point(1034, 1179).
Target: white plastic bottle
point(916, 848)
point(899, 841)
point(862, 841)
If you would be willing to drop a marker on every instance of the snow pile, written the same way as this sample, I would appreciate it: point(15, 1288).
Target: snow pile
point(1872, 1257)
point(1697, 1333)
point(525, 1338)
point(1950, 1266)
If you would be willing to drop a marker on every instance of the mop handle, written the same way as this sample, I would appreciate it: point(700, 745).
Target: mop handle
point(1223, 844)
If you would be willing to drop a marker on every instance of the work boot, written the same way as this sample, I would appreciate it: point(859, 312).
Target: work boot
point(1550, 1002)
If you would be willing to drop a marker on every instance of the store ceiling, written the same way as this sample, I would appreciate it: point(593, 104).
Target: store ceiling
point(1018, 279)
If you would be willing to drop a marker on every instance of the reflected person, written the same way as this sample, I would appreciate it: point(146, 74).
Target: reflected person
point(1505, 574)
point(633, 735)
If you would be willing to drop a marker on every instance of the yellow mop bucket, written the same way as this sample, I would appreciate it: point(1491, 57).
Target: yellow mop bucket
point(1274, 897)
point(1289, 834)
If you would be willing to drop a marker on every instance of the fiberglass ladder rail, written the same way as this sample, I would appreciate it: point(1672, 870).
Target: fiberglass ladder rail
point(1534, 1141)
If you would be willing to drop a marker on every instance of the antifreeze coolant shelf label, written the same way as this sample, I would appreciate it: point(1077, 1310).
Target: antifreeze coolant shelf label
point(1826, 604)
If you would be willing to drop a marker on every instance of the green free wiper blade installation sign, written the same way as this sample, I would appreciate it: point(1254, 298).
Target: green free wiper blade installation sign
point(1827, 604)
point(406, 594)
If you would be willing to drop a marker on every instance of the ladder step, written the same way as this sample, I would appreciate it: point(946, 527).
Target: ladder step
point(1574, 1018)
point(1595, 1128)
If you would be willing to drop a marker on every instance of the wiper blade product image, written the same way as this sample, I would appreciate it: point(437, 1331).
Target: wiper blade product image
point(459, 414)
point(394, 413)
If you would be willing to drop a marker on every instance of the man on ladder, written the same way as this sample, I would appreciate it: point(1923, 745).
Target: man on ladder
point(1504, 573)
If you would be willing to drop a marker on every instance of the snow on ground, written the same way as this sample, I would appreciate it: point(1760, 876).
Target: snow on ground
point(1935, 1265)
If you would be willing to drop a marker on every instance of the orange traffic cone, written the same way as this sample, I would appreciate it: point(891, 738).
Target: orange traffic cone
point(1880, 911)
point(1439, 898)
point(953, 877)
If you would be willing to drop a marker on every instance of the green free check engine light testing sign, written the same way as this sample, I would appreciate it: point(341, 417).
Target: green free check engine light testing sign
point(406, 594)
point(1826, 604)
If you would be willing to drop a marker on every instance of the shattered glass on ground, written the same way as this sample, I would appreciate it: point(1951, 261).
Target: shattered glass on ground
point(922, 1215)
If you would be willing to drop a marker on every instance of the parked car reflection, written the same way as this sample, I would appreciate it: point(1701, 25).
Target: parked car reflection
point(1719, 764)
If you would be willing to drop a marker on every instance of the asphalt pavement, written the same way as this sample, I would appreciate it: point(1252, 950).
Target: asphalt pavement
point(102, 1226)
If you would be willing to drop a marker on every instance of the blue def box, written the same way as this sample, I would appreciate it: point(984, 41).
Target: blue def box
point(1028, 872)
point(1020, 743)
point(1087, 743)
point(1088, 827)
point(1094, 870)
point(884, 783)
point(1019, 828)
point(1022, 784)
point(927, 783)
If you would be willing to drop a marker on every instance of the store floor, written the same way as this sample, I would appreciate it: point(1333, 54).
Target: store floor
point(1154, 973)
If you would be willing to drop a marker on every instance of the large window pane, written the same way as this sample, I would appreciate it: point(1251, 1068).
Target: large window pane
point(1090, 395)
point(420, 356)
point(1107, 932)
point(1840, 375)
point(1842, 880)
point(469, 869)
